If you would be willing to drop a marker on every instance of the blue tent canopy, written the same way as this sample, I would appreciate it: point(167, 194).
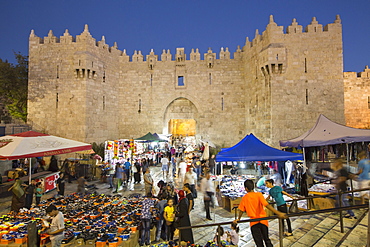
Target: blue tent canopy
point(250, 148)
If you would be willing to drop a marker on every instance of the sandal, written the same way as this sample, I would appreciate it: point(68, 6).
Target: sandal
point(288, 234)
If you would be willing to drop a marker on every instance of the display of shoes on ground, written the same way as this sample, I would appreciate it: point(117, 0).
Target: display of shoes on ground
point(323, 187)
point(233, 186)
point(89, 218)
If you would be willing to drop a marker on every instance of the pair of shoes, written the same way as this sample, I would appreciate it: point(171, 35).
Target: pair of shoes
point(288, 234)
point(147, 244)
point(209, 218)
point(110, 187)
point(348, 216)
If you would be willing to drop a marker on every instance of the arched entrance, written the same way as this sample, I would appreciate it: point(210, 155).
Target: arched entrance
point(180, 118)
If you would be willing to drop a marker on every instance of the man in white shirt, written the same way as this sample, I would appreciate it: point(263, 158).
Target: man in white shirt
point(208, 191)
point(165, 168)
point(191, 178)
point(56, 230)
point(111, 170)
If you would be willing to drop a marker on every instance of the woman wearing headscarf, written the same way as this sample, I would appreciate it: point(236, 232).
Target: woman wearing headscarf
point(184, 219)
point(19, 196)
point(171, 193)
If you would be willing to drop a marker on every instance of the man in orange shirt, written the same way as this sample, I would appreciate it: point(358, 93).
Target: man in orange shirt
point(253, 203)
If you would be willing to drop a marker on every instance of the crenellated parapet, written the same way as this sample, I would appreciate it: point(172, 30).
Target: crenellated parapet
point(273, 30)
point(86, 40)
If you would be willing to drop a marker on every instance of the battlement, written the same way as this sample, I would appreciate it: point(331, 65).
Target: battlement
point(86, 38)
point(274, 31)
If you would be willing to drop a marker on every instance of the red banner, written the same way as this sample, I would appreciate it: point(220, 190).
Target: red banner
point(50, 182)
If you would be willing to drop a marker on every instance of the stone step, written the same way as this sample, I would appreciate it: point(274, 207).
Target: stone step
point(322, 230)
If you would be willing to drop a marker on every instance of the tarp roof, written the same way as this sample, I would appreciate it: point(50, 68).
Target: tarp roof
point(250, 148)
point(149, 137)
point(327, 132)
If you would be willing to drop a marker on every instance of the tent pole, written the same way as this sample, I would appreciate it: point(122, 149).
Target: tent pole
point(347, 154)
point(29, 170)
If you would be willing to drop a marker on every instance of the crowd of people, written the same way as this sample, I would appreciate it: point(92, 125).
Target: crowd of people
point(170, 202)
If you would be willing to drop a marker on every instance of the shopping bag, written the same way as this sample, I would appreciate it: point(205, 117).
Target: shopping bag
point(293, 207)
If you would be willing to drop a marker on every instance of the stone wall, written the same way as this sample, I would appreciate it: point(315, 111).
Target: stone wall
point(275, 86)
point(357, 98)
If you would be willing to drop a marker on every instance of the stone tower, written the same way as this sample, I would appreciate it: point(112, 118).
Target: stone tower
point(275, 86)
point(357, 98)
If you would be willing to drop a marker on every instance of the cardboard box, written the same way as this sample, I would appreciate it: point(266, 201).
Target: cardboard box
point(90, 242)
point(324, 203)
point(80, 241)
point(234, 203)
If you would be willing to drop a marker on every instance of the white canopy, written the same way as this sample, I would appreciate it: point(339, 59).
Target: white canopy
point(327, 132)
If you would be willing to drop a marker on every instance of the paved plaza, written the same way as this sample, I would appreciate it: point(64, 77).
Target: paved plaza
point(311, 230)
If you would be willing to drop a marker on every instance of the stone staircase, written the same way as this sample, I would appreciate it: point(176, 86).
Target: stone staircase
point(318, 230)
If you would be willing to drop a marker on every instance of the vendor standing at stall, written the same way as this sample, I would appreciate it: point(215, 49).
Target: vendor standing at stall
point(56, 229)
point(148, 182)
point(30, 191)
point(60, 184)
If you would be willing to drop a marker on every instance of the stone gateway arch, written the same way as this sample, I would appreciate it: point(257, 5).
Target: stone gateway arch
point(180, 118)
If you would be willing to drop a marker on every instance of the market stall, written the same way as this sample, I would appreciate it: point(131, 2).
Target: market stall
point(34, 144)
point(325, 141)
point(249, 148)
point(94, 220)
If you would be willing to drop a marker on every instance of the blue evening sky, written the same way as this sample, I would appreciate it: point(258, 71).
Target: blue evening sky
point(167, 24)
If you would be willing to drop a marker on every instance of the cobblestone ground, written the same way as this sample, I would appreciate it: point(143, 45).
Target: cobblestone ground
point(311, 230)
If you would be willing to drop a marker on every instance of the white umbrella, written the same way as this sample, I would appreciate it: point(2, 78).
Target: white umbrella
point(210, 143)
point(205, 155)
point(34, 144)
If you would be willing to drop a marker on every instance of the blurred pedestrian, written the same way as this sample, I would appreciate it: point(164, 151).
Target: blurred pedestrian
point(191, 179)
point(341, 177)
point(19, 196)
point(208, 191)
point(363, 175)
point(81, 182)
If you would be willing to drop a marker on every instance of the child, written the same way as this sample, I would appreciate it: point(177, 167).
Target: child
point(277, 192)
point(253, 204)
point(233, 235)
point(169, 216)
point(223, 236)
point(38, 193)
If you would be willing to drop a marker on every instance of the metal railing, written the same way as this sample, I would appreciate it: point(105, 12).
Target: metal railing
point(339, 209)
